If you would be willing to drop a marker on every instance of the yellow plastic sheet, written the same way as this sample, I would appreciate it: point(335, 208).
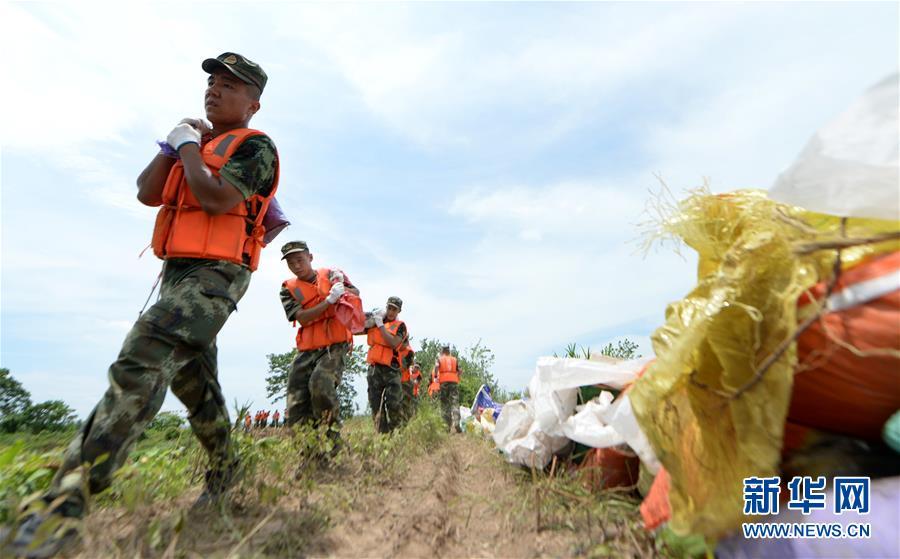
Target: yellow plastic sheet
point(713, 341)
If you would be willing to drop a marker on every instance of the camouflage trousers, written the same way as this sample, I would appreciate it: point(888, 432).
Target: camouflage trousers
point(172, 344)
point(409, 401)
point(312, 386)
point(450, 405)
point(385, 397)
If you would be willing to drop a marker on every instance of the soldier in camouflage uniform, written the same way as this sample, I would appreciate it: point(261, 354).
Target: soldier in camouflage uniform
point(411, 390)
point(323, 343)
point(173, 343)
point(448, 375)
point(386, 337)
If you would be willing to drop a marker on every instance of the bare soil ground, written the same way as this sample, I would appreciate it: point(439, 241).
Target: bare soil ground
point(458, 499)
point(467, 503)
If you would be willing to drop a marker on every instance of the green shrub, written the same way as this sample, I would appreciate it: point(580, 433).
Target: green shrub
point(168, 425)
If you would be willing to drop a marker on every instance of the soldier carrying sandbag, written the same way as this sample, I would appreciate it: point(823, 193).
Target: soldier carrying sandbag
point(213, 183)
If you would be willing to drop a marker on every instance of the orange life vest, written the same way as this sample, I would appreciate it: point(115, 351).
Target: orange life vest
point(325, 330)
point(415, 377)
point(380, 351)
point(434, 386)
point(447, 369)
point(405, 350)
point(184, 230)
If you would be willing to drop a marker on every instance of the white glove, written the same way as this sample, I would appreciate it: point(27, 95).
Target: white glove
point(182, 134)
point(336, 291)
point(379, 320)
point(336, 276)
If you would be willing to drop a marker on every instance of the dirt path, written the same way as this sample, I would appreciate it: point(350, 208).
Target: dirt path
point(460, 501)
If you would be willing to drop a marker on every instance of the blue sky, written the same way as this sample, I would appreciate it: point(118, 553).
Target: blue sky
point(486, 162)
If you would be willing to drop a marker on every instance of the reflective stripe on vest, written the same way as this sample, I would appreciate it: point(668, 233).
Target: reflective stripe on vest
point(325, 330)
point(184, 230)
point(447, 369)
point(381, 352)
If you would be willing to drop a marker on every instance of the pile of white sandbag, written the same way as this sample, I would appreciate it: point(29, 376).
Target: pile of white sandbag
point(530, 431)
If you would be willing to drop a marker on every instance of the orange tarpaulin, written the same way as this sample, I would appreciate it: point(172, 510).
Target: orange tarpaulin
point(655, 508)
point(848, 377)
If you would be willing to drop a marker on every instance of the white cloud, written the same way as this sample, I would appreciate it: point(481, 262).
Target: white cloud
point(437, 83)
point(578, 273)
point(570, 210)
point(71, 64)
point(743, 131)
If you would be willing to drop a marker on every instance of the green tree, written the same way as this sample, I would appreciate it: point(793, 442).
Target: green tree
point(475, 362)
point(277, 377)
point(52, 415)
point(624, 349)
point(168, 424)
point(427, 354)
point(17, 413)
point(13, 396)
point(280, 368)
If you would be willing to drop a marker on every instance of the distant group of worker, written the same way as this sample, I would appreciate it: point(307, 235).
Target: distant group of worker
point(325, 303)
point(261, 420)
point(214, 184)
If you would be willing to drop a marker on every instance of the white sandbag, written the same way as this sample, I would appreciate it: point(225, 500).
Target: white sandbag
point(520, 437)
point(529, 433)
point(486, 424)
point(464, 413)
point(513, 423)
point(554, 386)
point(551, 408)
point(588, 426)
point(620, 416)
point(535, 449)
point(851, 167)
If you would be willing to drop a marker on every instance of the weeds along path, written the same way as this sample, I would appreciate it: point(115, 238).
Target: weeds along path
point(415, 493)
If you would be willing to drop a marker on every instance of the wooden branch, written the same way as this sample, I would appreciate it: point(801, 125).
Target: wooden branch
point(838, 244)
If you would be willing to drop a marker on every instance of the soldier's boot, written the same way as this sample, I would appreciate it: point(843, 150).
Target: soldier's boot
point(218, 481)
point(43, 529)
point(337, 443)
point(325, 458)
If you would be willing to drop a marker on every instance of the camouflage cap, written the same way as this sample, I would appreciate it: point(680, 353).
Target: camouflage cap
point(241, 67)
point(395, 302)
point(292, 247)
